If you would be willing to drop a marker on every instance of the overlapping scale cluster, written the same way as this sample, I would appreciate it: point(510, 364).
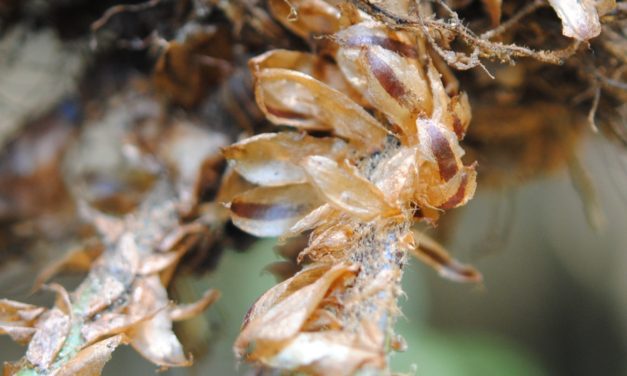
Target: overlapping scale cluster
point(372, 146)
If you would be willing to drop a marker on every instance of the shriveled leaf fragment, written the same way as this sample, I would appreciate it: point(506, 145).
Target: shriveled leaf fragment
point(62, 298)
point(91, 360)
point(52, 330)
point(312, 220)
point(19, 334)
point(187, 311)
point(158, 262)
point(124, 295)
point(395, 176)
point(154, 338)
point(128, 301)
point(111, 323)
point(292, 98)
point(12, 311)
point(279, 315)
point(580, 19)
point(329, 353)
point(270, 211)
point(332, 240)
point(112, 288)
point(272, 159)
point(78, 259)
point(433, 254)
point(346, 189)
point(20, 320)
point(283, 290)
point(126, 261)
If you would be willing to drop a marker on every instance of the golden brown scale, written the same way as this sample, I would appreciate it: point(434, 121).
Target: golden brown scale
point(370, 145)
point(355, 192)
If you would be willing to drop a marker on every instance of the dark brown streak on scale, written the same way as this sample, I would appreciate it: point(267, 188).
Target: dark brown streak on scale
point(396, 46)
point(268, 212)
point(442, 152)
point(458, 196)
point(457, 123)
point(386, 77)
point(285, 114)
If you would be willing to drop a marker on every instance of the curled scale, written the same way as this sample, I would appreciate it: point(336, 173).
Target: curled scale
point(390, 155)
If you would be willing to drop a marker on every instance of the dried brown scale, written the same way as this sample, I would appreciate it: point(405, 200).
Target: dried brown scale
point(397, 161)
point(366, 194)
point(122, 300)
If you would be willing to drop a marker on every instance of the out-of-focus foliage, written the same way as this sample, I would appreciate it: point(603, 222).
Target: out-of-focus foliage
point(30, 61)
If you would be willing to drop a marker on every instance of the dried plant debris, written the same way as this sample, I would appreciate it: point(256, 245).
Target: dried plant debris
point(373, 137)
point(162, 166)
point(186, 70)
point(580, 19)
point(30, 175)
point(357, 191)
point(404, 159)
point(122, 300)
